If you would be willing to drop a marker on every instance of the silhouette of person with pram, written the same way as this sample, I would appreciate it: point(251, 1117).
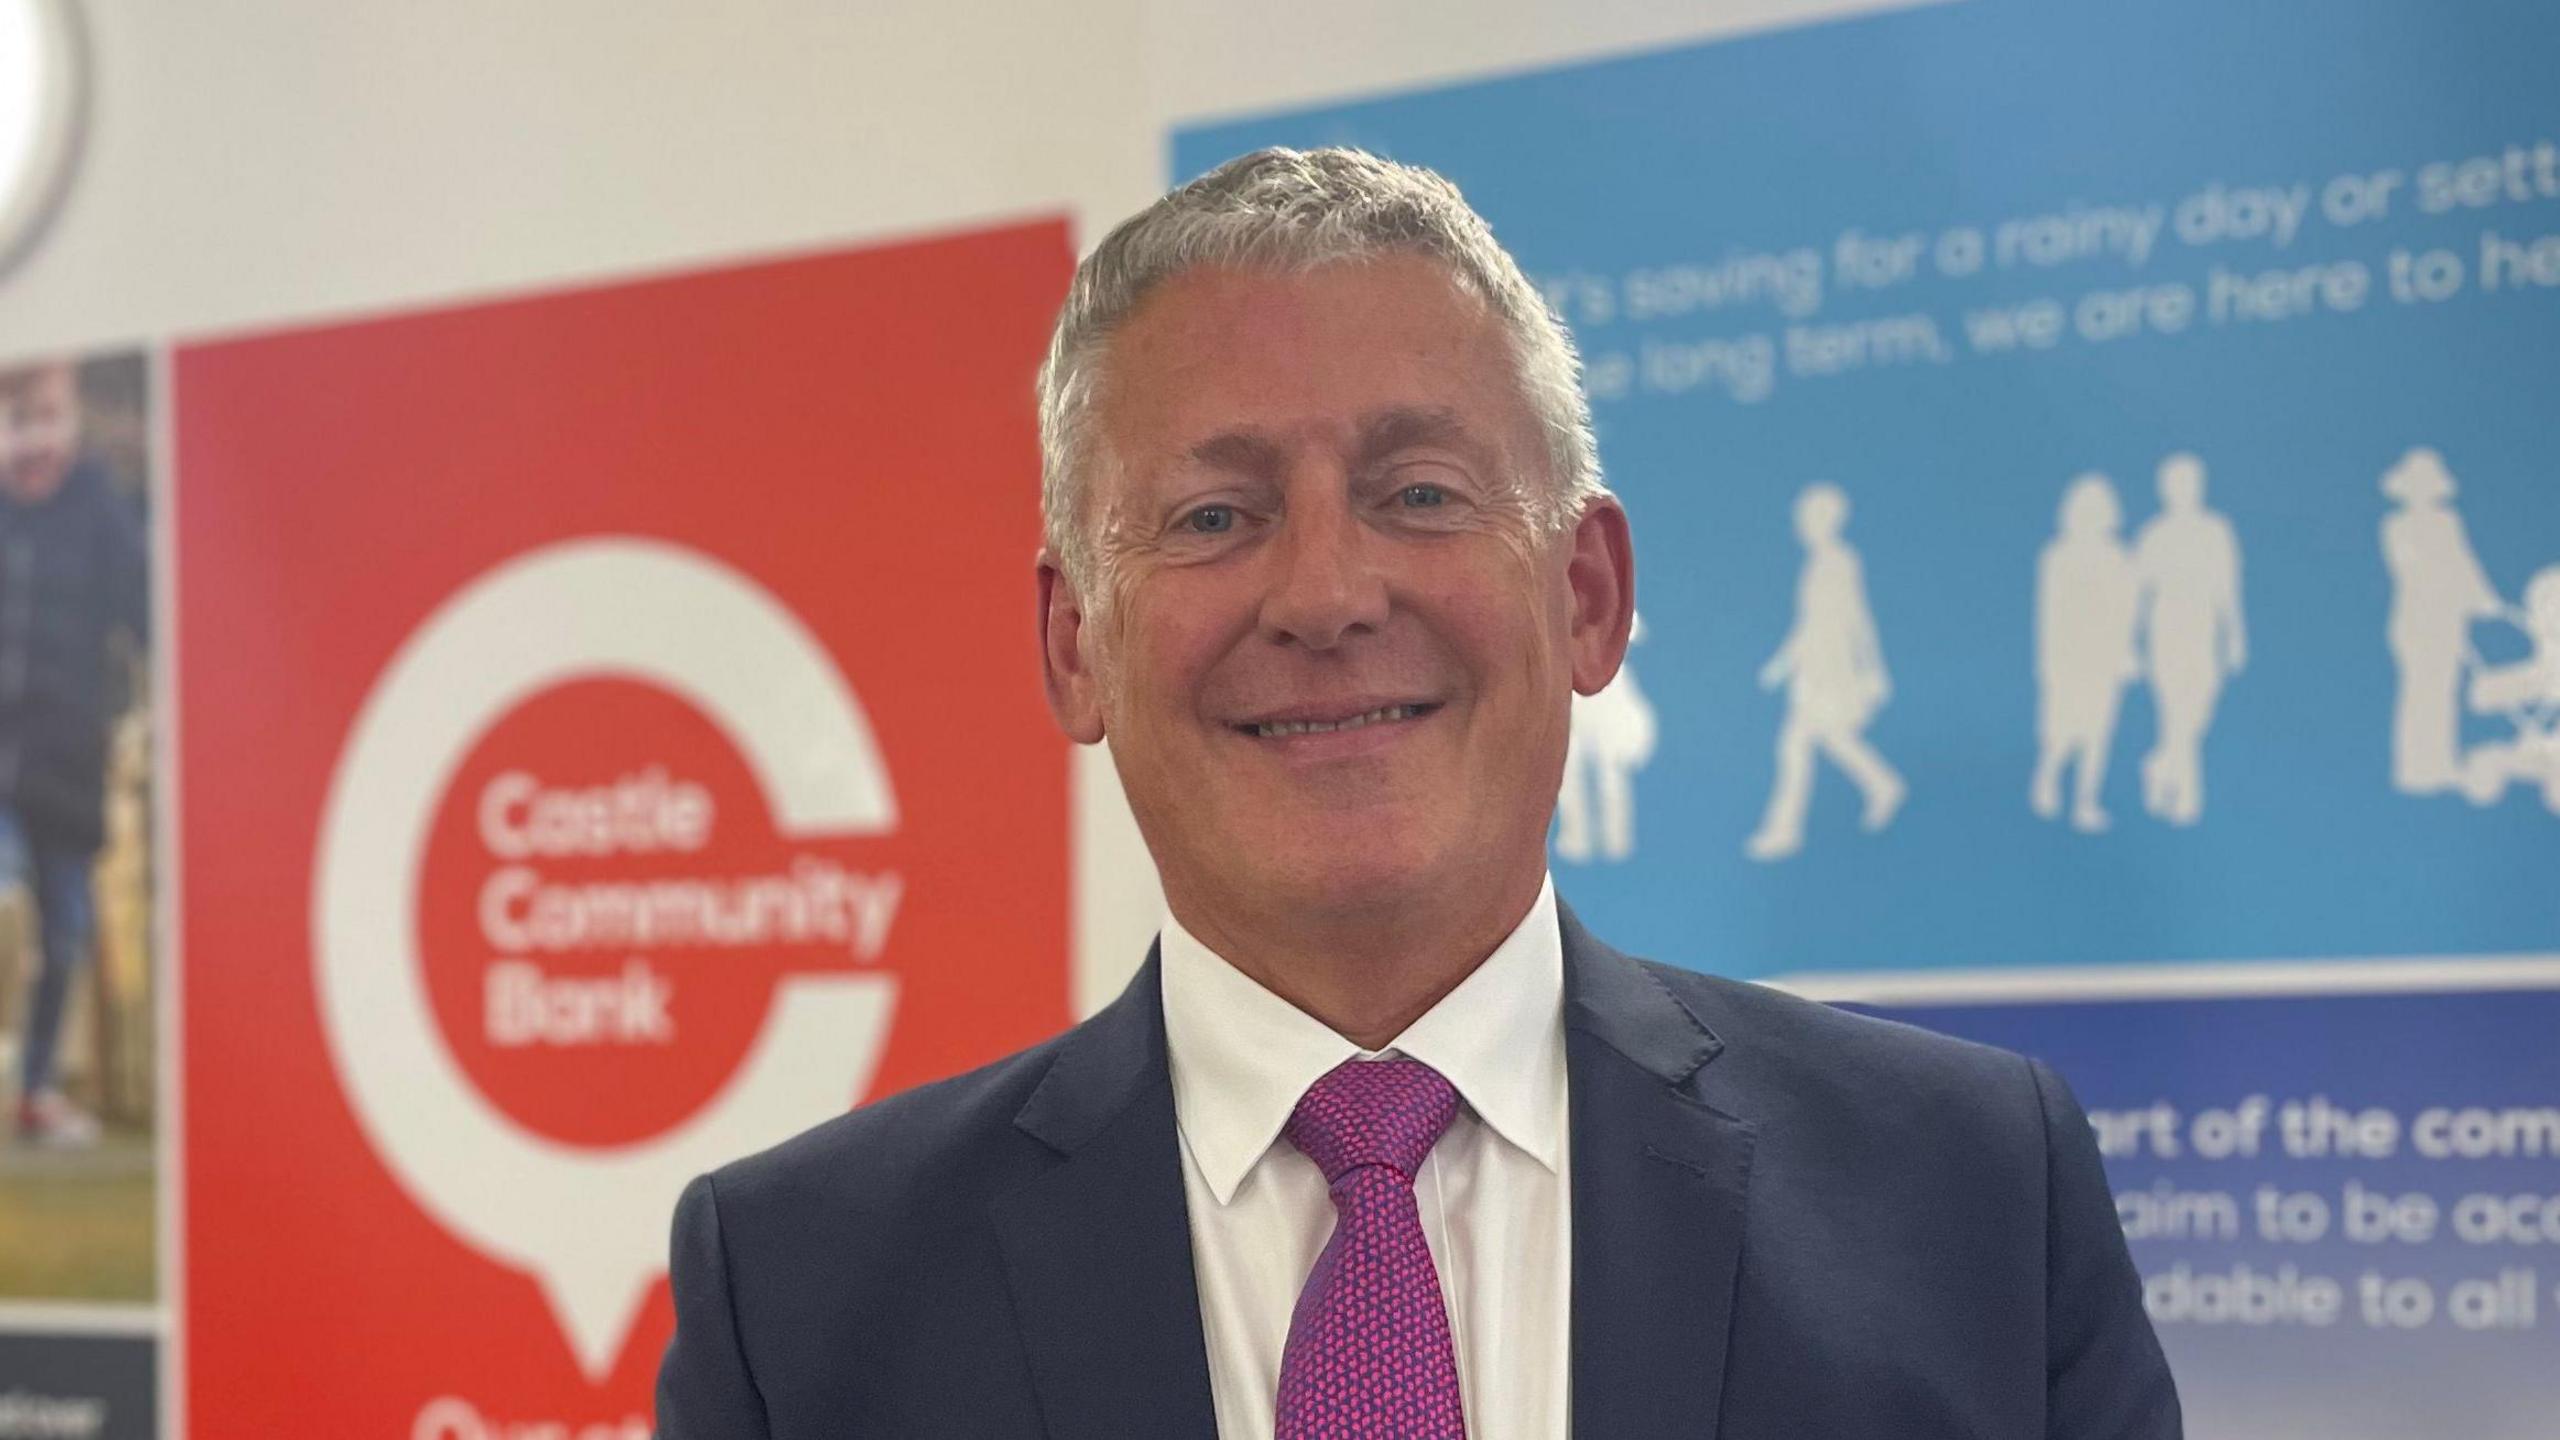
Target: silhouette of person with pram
point(2438, 591)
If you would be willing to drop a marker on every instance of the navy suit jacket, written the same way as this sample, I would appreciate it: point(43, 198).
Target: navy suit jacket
point(1789, 1222)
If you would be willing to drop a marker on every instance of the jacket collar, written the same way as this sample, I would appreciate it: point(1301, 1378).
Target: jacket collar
point(1097, 1248)
point(1102, 1067)
point(1618, 1002)
point(1659, 1180)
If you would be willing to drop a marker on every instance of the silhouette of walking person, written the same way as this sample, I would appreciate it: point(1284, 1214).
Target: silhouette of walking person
point(2188, 563)
point(2437, 590)
point(2086, 591)
point(1612, 737)
point(1835, 676)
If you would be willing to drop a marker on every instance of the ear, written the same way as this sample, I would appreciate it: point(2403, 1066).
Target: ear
point(1075, 693)
point(1600, 573)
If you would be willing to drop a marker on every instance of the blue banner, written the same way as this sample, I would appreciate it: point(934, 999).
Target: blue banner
point(2246, 289)
point(2096, 485)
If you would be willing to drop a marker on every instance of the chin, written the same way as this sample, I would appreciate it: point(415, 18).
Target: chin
point(1353, 865)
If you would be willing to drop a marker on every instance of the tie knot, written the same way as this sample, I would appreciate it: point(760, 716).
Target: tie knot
point(1372, 1112)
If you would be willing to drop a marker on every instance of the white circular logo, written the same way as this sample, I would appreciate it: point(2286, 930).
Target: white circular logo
point(588, 1222)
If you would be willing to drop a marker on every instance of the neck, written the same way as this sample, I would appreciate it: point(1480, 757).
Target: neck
point(1366, 971)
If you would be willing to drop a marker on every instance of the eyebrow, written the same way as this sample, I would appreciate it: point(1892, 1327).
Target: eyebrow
point(1381, 433)
point(1385, 432)
point(1244, 452)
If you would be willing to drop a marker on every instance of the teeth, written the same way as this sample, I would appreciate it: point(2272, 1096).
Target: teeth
point(1321, 727)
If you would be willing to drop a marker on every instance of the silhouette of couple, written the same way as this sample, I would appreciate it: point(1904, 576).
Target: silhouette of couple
point(2167, 611)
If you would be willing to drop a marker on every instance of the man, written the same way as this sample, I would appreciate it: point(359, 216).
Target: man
point(1380, 1142)
point(2188, 560)
point(72, 568)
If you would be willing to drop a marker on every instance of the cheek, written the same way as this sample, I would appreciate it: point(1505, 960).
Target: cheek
point(1161, 656)
point(1512, 619)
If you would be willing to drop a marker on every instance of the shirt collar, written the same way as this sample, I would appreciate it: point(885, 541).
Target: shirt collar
point(1242, 1056)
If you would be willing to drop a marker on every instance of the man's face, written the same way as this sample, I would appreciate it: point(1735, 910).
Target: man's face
point(1336, 656)
point(39, 432)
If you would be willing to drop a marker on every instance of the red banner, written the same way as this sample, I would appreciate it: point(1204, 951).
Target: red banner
point(610, 745)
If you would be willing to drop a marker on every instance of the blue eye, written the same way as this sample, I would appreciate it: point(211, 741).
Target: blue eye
point(1422, 496)
point(1210, 520)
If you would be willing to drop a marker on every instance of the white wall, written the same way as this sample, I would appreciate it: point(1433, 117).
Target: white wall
point(255, 162)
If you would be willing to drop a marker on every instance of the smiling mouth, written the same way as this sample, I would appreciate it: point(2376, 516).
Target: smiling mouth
point(1383, 715)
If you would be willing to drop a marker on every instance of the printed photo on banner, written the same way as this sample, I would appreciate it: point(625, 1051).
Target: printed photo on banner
point(79, 974)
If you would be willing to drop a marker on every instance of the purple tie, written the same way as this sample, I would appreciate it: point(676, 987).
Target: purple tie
point(1369, 1355)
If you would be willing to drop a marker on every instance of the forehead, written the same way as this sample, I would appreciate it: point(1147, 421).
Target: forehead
point(1304, 356)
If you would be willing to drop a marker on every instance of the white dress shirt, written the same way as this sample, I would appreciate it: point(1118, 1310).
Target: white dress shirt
point(1495, 1199)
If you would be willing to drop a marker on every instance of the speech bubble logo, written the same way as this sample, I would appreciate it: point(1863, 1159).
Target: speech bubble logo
point(587, 1224)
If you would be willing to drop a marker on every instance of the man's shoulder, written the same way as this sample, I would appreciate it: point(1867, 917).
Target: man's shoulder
point(1813, 1047)
point(937, 1139)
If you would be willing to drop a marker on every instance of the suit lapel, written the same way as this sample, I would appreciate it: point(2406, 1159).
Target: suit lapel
point(1658, 1186)
point(1098, 1249)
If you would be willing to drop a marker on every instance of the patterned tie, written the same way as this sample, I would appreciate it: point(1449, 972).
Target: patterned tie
point(1369, 1355)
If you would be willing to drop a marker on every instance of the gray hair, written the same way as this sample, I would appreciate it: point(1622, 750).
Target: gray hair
point(1299, 210)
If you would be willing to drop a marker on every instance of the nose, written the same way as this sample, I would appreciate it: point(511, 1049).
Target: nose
point(1325, 586)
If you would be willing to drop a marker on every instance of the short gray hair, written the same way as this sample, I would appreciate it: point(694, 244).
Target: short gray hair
point(1298, 210)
